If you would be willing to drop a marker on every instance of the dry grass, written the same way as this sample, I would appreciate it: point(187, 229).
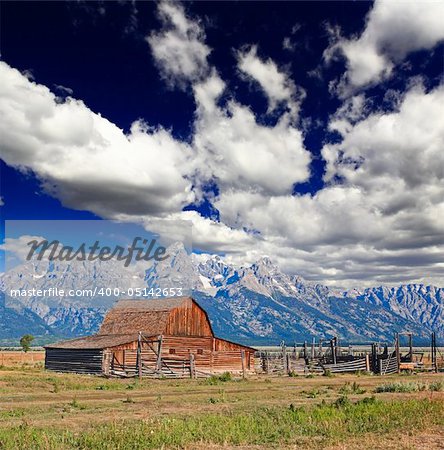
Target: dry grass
point(33, 399)
point(18, 358)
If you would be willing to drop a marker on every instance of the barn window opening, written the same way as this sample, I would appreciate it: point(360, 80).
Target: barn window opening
point(172, 351)
point(200, 351)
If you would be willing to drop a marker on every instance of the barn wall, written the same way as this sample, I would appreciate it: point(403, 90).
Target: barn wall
point(70, 360)
point(188, 320)
point(222, 345)
point(226, 350)
point(178, 348)
point(200, 347)
point(226, 358)
point(128, 346)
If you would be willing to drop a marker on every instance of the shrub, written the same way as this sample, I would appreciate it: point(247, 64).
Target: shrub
point(401, 387)
point(76, 404)
point(353, 388)
point(226, 376)
point(367, 400)
point(342, 402)
point(436, 386)
point(216, 379)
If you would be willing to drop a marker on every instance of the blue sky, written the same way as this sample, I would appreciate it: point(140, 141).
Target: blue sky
point(298, 130)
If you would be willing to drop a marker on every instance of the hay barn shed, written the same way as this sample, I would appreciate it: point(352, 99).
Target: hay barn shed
point(165, 337)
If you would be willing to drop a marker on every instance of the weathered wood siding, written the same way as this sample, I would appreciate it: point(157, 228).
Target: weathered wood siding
point(188, 320)
point(356, 365)
point(175, 349)
point(210, 354)
point(181, 348)
point(221, 345)
point(70, 360)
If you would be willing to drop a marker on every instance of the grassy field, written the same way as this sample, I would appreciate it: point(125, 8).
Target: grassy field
point(44, 410)
point(19, 358)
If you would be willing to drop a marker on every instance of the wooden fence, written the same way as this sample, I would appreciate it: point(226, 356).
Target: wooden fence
point(150, 362)
point(282, 362)
point(387, 366)
point(151, 366)
point(356, 365)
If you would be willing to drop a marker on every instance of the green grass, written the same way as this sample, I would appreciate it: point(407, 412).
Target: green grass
point(273, 426)
point(437, 386)
point(18, 412)
point(314, 393)
point(351, 388)
point(409, 387)
point(46, 381)
point(217, 379)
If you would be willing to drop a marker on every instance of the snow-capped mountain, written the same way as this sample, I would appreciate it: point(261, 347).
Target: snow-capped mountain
point(65, 315)
point(256, 303)
point(414, 302)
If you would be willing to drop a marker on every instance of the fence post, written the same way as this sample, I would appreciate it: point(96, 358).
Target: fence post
point(411, 346)
point(192, 367)
point(243, 363)
point(159, 355)
point(374, 358)
point(333, 350)
point(139, 354)
point(284, 358)
point(367, 363)
point(398, 355)
point(105, 363)
point(434, 353)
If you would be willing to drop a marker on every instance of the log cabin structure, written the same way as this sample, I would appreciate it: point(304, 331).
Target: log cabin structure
point(164, 337)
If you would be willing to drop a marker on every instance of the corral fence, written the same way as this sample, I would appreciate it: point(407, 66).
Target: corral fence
point(281, 363)
point(318, 357)
point(356, 365)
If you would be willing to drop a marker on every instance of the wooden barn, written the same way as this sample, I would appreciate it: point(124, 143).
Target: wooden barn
point(165, 337)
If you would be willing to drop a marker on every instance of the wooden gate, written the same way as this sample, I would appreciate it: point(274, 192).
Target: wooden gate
point(147, 361)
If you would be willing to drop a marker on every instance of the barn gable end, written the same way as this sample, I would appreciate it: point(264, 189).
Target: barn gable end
point(188, 319)
point(180, 316)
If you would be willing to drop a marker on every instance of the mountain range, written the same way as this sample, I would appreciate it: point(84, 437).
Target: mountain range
point(256, 304)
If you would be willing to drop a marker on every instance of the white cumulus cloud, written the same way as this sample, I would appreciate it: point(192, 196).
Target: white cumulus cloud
point(393, 30)
point(275, 83)
point(85, 160)
point(378, 219)
point(178, 48)
point(242, 154)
